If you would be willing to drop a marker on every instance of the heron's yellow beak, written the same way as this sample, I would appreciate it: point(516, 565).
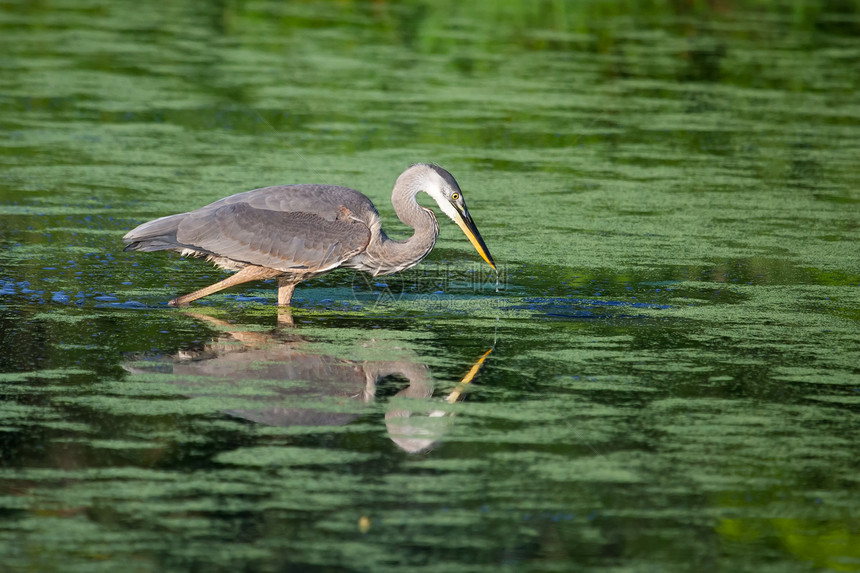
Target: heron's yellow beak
point(464, 221)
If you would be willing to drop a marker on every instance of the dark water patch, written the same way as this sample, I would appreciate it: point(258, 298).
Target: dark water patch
point(582, 308)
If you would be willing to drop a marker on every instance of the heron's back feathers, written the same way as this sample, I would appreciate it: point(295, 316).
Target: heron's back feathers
point(294, 228)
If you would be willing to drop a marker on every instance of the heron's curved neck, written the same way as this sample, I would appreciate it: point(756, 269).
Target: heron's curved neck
point(393, 256)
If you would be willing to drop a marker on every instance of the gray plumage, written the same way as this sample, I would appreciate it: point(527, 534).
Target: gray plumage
point(296, 232)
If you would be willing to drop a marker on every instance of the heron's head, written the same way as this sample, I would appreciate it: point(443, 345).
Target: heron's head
point(443, 188)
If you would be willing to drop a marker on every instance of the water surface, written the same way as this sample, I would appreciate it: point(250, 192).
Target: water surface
point(671, 191)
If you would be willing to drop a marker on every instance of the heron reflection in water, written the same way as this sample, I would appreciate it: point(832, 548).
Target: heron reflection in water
point(297, 232)
point(298, 387)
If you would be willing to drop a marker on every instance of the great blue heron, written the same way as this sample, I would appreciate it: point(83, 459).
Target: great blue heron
point(297, 232)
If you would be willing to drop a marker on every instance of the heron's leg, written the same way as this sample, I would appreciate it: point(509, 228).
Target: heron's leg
point(286, 286)
point(285, 317)
point(249, 273)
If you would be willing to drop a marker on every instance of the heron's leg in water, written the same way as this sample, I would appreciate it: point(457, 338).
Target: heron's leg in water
point(285, 317)
point(286, 286)
point(249, 273)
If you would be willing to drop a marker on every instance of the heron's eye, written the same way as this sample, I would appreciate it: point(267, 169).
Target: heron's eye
point(455, 196)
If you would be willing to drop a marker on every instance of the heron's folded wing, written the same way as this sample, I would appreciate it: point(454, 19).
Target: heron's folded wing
point(287, 241)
